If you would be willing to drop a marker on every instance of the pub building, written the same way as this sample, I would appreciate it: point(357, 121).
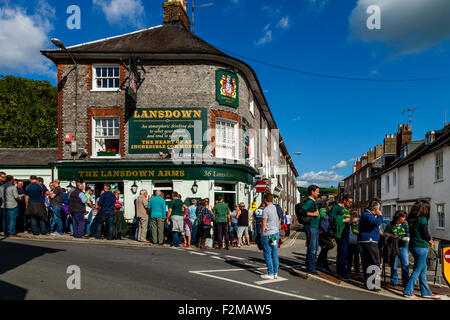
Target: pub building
point(133, 106)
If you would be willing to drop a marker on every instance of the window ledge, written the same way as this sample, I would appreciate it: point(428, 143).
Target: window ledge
point(440, 228)
point(439, 181)
point(106, 157)
point(106, 90)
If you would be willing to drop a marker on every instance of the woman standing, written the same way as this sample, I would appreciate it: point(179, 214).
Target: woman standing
point(418, 246)
point(398, 228)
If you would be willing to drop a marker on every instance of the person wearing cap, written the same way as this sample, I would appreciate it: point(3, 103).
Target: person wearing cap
point(243, 219)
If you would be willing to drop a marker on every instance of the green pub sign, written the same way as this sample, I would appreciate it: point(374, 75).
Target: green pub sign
point(227, 88)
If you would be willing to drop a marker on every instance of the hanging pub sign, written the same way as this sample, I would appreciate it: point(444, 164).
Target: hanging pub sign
point(227, 88)
point(133, 79)
point(151, 130)
point(246, 138)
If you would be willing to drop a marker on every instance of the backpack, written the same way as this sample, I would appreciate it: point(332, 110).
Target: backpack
point(301, 214)
point(279, 212)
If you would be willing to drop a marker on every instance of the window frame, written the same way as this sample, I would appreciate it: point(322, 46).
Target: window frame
point(411, 177)
point(236, 136)
point(94, 137)
point(94, 77)
point(439, 217)
point(440, 167)
point(251, 104)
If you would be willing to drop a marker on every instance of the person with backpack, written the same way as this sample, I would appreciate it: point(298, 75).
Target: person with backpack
point(399, 229)
point(341, 229)
point(311, 228)
point(205, 218)
point(270, 237)
point(326, 241)
point(418, 246)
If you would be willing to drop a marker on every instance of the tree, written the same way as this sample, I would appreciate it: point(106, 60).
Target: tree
point(28, 113)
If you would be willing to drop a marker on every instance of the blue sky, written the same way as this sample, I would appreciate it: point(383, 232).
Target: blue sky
point(330, 121)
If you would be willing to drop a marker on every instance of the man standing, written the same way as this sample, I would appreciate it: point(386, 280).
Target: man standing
point(243, 218)
point(77, 208)
point(35, 206)
point(259, 219)
point(368, 237)
point(193, 218)
point(105, 207)
point(2, 178)
point(157, 207)
point(56, 202)
point(10, 207)
point(89, 207)
point(312, 228)
point(341, 230)
point(270, 237)
point(21, 193)
point(175, 214)
point(141, 212)
point(222, 214)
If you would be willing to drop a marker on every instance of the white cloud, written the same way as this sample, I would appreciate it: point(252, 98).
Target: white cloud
point(122, 12)
point(407, 26)
point(321, 178)
point(266, 38)
point(284, 23)
point(22, 36)
point(302, 184)
point(340, 165)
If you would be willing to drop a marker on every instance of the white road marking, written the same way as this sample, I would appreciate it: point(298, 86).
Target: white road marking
point(198, 253)
point(250, 285)
point(279, 279)
point(218, 258)
point(236, 258)
point(214, 253)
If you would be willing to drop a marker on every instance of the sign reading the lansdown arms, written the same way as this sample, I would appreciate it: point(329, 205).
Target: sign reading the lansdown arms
point(151, 129)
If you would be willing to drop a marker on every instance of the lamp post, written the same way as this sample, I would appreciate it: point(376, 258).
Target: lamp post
point(60, 45)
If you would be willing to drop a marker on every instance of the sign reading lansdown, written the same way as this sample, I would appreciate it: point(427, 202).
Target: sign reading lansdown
point(154, 130)
point(193, 173)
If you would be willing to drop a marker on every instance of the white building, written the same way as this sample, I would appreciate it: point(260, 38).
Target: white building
point(421, 173)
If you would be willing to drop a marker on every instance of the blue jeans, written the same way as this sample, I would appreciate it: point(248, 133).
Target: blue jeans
point(404, 259)
point(194, 232)
point(88, 223)
point(109, 218)
point(271, 254)
point(176, 239)
point(11, 218)
point(342, 248)
point(419, 272)
point(38, 226)
point(57, 220)
point(312, 242)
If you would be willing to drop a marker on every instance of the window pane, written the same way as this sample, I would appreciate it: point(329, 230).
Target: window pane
point(104, 123)
point(98, 72)
point(110, 132)
point(110, 72)
point(116, 123)
point(116, 72)
point(116, 83)
point(99, 83)
point(105, 83)
point(105, 132)
point(116, 131)
point(110, 123)
point(104, 72)
point(111, 83)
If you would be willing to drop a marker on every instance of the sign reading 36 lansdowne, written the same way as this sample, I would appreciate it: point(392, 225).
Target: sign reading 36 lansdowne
point(151, 129)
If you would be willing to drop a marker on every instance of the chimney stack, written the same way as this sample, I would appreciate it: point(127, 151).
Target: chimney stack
point(175, 12)
point(390, 144)
point(404, 136)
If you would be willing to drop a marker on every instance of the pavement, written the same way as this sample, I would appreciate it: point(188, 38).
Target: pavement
point(231, 268)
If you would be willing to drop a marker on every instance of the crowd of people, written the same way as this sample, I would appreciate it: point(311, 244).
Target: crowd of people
point(365, 238)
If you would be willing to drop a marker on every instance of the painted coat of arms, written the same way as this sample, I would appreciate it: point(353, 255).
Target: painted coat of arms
point(227, 88)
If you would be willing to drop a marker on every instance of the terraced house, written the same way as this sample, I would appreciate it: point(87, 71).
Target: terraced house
point(162, 109)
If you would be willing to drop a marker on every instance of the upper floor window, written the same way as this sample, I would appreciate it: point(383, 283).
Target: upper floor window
point(105, 77)
point(266, 130)
point(411, 175)
point(227, 139)
point(387, 184)
point(439, 166)
point(394, 178)
point(252, 105)
point(106, 137)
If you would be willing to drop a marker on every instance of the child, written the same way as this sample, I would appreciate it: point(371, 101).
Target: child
point(353, 249)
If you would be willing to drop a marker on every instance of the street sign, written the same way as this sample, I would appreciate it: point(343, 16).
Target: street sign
point(261, 186)
point(281, 170)
point(445, 265)
point(447, 256)
point(253, 206)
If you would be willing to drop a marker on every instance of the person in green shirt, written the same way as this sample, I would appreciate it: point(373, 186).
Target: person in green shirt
point(175, 214)
point(398, 228)
point(312, 228)
point(222, 213)
point(326, 242)
point(418, 246)
point(341, 230)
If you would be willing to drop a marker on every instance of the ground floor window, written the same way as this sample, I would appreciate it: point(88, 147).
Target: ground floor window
point(440, 216)
point(387, 213)
point(105, 137)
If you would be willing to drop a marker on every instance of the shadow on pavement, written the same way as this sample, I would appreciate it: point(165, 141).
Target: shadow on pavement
point(14, 255)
